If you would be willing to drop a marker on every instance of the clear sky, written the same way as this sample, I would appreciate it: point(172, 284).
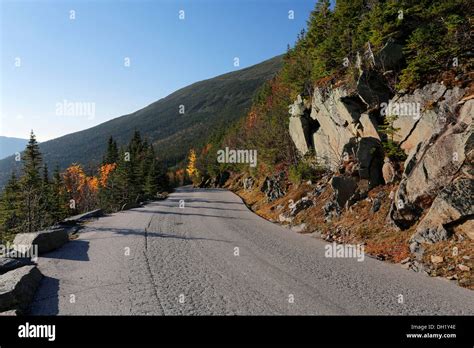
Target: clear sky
point(48, 58)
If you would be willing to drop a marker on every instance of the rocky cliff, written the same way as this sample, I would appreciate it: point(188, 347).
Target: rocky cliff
point(433, 188)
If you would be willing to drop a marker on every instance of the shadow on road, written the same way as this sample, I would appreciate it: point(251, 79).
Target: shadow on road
point(191, 200)
point(75, 250)
point(149, 234)
point(46, 301)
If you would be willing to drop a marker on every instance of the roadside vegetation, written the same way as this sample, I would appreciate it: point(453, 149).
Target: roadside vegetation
point(35, 200)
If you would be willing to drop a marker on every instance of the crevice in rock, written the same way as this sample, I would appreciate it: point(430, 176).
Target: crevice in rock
point(354, 105)
point(460, 221)
point(417, 121)
point(425, 172)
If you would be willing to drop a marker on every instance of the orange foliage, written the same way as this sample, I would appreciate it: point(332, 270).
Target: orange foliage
point(104, 173)
point(82, 188)
point(206, 149)
point(251, 119)
point(74, 178)
point(92, 184)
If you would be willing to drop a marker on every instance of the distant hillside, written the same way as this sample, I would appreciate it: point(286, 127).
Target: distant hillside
point(208, 105)
point(9, 146)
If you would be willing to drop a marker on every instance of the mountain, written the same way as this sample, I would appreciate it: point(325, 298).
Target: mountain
point(208, 105)
point(9, 146)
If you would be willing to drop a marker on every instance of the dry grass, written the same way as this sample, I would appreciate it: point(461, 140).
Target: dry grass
point(451, 260)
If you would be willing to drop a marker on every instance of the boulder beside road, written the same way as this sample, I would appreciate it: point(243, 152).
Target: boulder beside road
point(9, 263)
point(18, 287)
point(46, 241)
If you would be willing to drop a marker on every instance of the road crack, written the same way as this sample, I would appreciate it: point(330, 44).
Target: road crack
point(150, 273)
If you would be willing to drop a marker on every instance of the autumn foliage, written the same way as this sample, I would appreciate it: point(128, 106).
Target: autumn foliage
point(191, 168)
point(104, 173)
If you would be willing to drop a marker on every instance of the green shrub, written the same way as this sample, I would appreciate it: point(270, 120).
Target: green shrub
point(304, 171)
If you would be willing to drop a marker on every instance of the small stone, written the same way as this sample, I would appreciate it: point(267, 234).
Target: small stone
point(406, 265)
point(464, 268)
point(417, 266)
point(465, 257)
point(405, 260)
point(376, 205)
point(436, 259)
point(453, 277)
point(284, 218)
point(299, 228)
point(417, 250)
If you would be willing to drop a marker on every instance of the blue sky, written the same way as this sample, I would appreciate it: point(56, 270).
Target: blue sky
point(82, 60)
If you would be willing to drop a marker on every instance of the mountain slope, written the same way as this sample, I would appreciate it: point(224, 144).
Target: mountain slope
point(208, 105)
point(9, 146)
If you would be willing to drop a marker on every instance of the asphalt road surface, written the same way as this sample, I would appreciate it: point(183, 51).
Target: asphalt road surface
point(165, 260)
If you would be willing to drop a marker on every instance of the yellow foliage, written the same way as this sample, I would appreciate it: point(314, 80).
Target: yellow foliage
point(191, 169)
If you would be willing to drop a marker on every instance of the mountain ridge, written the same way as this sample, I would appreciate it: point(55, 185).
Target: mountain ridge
point(208, 104)
point(10, 145)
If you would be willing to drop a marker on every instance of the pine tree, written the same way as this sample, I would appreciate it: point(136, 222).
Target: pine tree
point(391, 148)
point(121, 190)
point(31, 185)
point(10, 209)
point(58, 199)
point(45, 200)
point(112, 152)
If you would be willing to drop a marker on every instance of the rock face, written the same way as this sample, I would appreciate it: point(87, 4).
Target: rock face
point(222, 178)
point(370, 158)
point(452, 205)
point(45, 240)
point(17, 287)
point(423, 113)
point(272, 187)
point(372, 89)
point(433, 165)
point(434, 129)
point(302, 126)
point(339, 117)
point(337, 113)
point(388, 171)
point(300, 205)
point(248, 183)
point(344, 188)
point(368, 126)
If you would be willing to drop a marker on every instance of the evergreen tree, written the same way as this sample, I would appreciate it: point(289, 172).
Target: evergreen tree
point(58, 200)
point(391, 148)
point(31, 185)
point(45, 209)
point(112, 152)
point(10, 209)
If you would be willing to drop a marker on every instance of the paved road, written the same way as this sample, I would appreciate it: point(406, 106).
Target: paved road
point(161, 259)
